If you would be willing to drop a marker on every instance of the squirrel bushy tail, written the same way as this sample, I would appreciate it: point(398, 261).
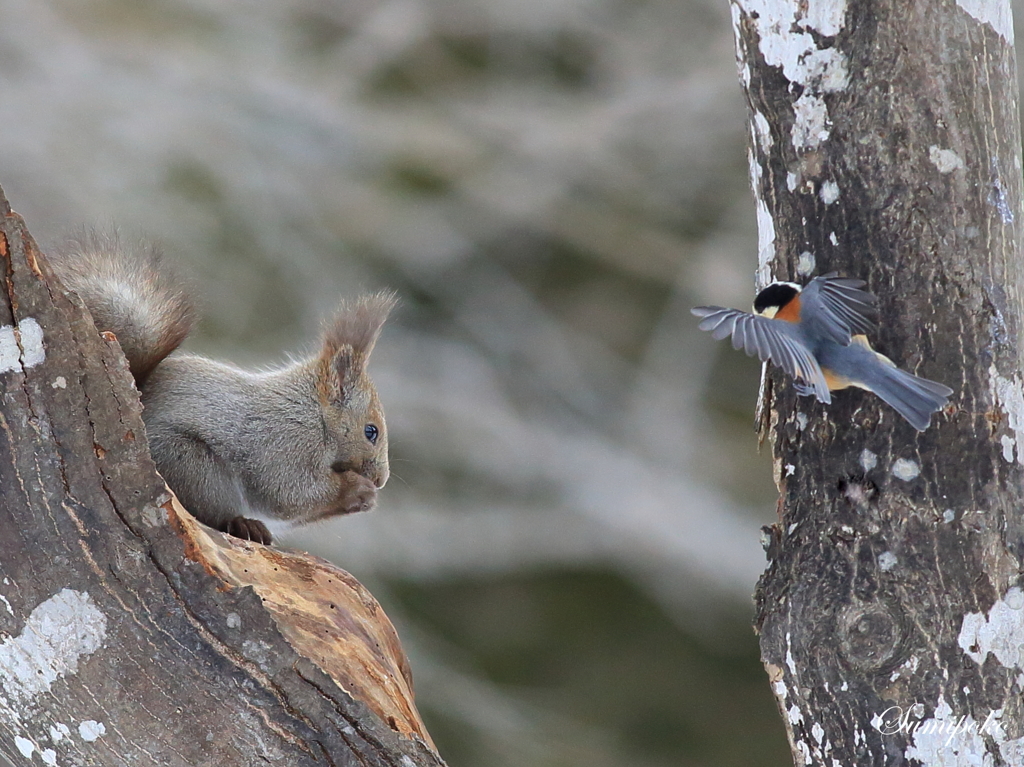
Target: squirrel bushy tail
point(129, 291)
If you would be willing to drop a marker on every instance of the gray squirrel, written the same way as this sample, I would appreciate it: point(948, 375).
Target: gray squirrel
point(240, 449)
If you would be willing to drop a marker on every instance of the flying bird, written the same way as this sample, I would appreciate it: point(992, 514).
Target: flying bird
point(817, 334)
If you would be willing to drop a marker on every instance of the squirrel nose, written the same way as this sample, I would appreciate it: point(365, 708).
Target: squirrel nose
point(377, 473)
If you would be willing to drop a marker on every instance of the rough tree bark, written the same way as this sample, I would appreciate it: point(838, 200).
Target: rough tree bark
point(886, 145)
point(129, 633)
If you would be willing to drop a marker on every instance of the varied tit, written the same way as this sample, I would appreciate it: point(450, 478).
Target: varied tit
point(816, 335)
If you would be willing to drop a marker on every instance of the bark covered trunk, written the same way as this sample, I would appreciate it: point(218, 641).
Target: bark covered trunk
point(130, 634)
point(885, 145)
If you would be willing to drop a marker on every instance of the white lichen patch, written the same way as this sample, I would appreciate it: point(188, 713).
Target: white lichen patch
point(826, 16)
point(947, 739)
point(762, 132)
point(995, 13)
point(793, 40)
point(946, 160)
point(795, 715)
point(1008, 443)
point(818, 732)
point(48, 756)
point(1000, 633)
point(829, 192)
point(811, 126)
point(10, 352)
point(1012, 751)
point(32, 350)
point(58, 731)
point(765, 241)
point(909, 667)
point(868, 460)
point(948, 516)
point(25, 746)
point(790, 662)
point(57, 635)
point(905, 469)
point(1014, 598)
point(833, 239)
point(805, 264)
point(1008, 394)
point(21, 346)
point(805, 752)
point(90, 730)
point(256, 650)
point(60, 382)
point(887, 561)
point(765, 226)
point(790, 37)
point(801, 421)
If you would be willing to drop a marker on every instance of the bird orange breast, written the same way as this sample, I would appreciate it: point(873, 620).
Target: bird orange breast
point(790, 312)
point(835, 381)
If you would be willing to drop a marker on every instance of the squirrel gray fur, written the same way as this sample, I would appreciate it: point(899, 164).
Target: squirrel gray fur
point(240, 449)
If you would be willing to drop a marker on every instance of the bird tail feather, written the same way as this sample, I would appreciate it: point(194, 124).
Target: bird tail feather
point(913, 397)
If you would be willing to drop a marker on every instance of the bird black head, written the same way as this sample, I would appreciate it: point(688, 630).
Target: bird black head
point(774, 297)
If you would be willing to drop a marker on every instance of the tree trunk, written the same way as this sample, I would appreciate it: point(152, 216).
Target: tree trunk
point(886, 145)
point(129, 633)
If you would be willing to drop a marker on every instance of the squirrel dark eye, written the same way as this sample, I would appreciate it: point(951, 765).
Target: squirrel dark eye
point(371, 432)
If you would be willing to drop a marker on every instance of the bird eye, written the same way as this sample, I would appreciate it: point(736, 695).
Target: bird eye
point(371, 432)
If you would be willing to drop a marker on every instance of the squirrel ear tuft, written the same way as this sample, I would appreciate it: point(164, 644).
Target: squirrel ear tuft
point(358, 324)
point(341, 372)
point(348, 341)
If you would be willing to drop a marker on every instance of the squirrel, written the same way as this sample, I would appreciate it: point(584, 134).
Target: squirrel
point(240, 449)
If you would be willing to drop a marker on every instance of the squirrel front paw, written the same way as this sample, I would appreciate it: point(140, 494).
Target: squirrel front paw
point(248, 530)
point(358, 493)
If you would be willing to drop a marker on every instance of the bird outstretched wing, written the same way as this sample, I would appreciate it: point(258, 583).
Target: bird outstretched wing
point(836, 308)
point(769, 339)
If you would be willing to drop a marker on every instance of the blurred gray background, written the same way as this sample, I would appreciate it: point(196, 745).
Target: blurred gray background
point(570, 540)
